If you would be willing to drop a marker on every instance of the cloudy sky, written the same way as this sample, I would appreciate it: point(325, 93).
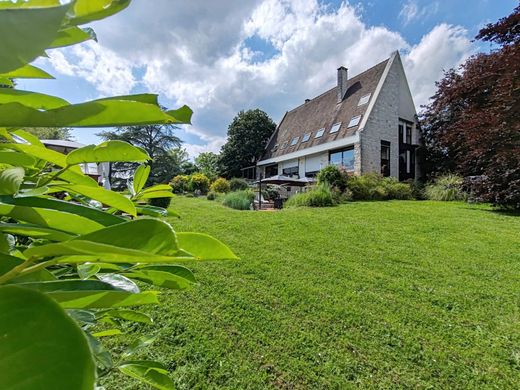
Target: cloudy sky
point(220, 57)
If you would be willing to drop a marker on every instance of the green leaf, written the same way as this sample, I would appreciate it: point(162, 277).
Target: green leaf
point(155, 194)
point(52, 219)
point(168, 276)
point(35, 231)
point(108, 332)
point(91, 213)
point(86, 11)
point(11, 179)
point(31, 138)
point(88, 286)
point(86, 271)
point(102, 357)
point(129, 315)
point(182, 114)
point(152, 373)
point(19, 44)
point(16, 159)
point(102, 299)
point(31, 99)
point(119, 281)
point(73, 35)
point(204, 247)
point(27, 72)
point(138, 344)
point(6, 82)
point(108, 151)
point(31, 325)
point(110, 198)
point(140, 177)
point(152, 211)
point(7, 263)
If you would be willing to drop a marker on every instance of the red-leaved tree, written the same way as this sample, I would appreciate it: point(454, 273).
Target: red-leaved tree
point(472, 126)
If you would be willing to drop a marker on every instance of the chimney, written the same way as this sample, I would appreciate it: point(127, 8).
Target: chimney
point(307, 101)
point(342, 82)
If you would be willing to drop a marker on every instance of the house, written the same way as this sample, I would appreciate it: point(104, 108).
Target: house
point(366, 123)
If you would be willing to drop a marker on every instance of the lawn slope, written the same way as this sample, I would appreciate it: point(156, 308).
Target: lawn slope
point(371, 295)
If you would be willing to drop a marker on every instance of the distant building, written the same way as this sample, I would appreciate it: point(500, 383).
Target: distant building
point(366, 123)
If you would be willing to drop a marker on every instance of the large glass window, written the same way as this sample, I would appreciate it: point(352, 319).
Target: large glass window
point(385, 158)
point(291, 171)
point(344, 158)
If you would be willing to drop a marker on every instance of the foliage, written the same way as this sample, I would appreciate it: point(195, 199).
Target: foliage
point(271, 192)
point(239, 200)
point(446, 188)
point(161, 144)
point(247, 136)
point(237, 184)
point(212, 195)
point(322, 296)
point(161, 202)
point(63, 133)
point(180, 184)
point(220, 185)
point(208, 164)
point(75, 257)
point(376, 187)
point(334, 176)
point(320, 196)
point(471, 128)
point(199, 182)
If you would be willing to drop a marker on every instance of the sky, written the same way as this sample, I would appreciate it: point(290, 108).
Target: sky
point(220, 57)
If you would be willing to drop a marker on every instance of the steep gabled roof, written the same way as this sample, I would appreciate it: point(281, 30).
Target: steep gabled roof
point(323, 112)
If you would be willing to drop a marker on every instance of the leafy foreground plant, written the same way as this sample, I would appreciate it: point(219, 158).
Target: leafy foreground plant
point(68, 265)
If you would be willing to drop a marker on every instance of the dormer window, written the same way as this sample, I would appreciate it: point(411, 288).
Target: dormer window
point(335, 127)
point(306, 137)
point(364, 99)
point(319, 133)
point(354, 121)
point(284, 145)
point(294, 141)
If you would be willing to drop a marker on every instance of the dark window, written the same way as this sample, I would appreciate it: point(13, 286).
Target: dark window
point(344, 158)
point(271, 170)
point(311, 174)
point(249, 173)
point(292, 171)
point(385, 158)
point(401, 131)
point(408, 134)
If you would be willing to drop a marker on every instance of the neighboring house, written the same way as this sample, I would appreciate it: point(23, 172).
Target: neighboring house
point(367, 123)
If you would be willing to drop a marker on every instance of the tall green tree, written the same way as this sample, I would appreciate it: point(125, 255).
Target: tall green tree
point(63, 133)
point(247, 134)
point(472, 125)
point(208, 164)
point(158, 141)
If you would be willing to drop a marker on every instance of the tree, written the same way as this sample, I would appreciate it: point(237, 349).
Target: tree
point(208, 164)
point(159, 141)
point(247, 134)
point(63, 133)
point(472, 125)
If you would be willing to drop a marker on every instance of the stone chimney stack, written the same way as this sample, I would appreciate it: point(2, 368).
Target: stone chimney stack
point(342, 82)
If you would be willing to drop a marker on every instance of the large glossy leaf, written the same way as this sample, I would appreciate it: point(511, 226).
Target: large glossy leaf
point(119, 281)
point(102, 357)
point(53, 219)
point(93, 214)
point(101, 113)
point(168, 276)
point(27, 72)
point(10, 180)
point(110, 198)
point(86, 11)
point(86, 271)
point(35, 231)
point(31, 357)
point(140, 177)
point(19, 44)
point(31, 99)
point(102, 299)
point(182, 114)
point(16, 159)
point(152, 211)
point(71, 36)
point(108, 151)
point(152, 373)
point(204, 247)
point(7, 263)
point(70, 285)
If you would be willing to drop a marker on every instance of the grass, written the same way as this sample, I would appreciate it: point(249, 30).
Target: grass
point(396, 294)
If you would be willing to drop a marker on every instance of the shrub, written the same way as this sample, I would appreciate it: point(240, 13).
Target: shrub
point(446, 188)
point(239, 200)
point(180, 184)
point(271, 192)
point(220, 185)
point(212, 195)
point(333, 176)
point(161, 202)
point(237, 184)
point(319, 196)
point(376, 187)
point(199, 182)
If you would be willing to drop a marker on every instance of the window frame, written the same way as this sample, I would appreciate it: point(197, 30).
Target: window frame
point(294, 141)
point(306, 137)
point(342, 151)
point(353, 119)
point(367, 96)
point(337, 126)
point(320, 133)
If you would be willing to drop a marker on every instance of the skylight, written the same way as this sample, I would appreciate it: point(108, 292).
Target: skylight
point(354, 121)
point(319, 133)
point(306, 137)
point(284, 145)
point(364, 99)
point(294, 141)
point(335, 127)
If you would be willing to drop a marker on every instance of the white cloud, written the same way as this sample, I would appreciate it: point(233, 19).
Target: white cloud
point(197, 53)
point(411, 11)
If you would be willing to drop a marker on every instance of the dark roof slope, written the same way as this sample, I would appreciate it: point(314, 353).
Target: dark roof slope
point(323, 112)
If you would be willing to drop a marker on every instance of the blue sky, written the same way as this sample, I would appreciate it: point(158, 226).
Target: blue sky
point(272, 54)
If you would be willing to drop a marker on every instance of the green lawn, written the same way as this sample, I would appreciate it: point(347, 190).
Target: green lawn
point(373, 295)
